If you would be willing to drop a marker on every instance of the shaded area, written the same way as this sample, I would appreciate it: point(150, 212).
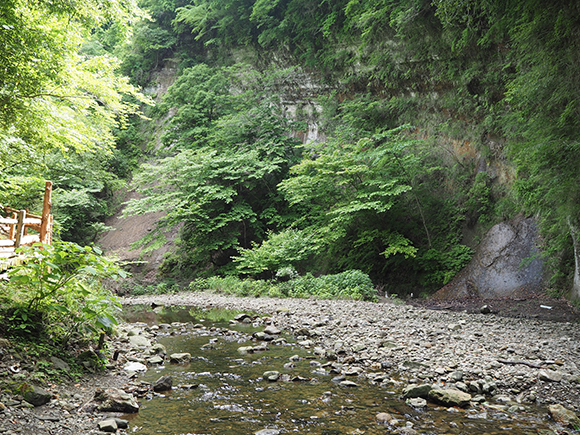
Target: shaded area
point(531, 307)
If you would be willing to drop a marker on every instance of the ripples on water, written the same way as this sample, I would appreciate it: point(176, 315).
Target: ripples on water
point(222, 391)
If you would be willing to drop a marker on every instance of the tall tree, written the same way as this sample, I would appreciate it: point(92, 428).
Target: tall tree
point(52, 94)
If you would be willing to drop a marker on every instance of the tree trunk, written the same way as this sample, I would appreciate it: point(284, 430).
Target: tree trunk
point(575, 294)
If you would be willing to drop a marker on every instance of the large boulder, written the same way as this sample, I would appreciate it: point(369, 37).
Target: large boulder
point(450, 397)
point(115, 400)
point(505, 264)
point(35, 395)
point(564, 416)
point(414, 391)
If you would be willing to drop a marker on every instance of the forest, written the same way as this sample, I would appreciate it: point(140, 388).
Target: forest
point(369, 142)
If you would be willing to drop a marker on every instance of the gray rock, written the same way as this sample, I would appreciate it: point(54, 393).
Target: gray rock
point(241, 317)
point(35, 395)
point(474, 386)
point(122, 424)
point(353, 371)
point(496, 269)
point(485, 309)
point(262, 336)
point(564, 416)
point(412, 391)
point(456, 376)
point(302, 331)
point(550, 376)
point(135, 367)
point(139, 342)
point(164, 383)
point(267, 432)
point(407, 431)
point(450, 397)
point(348, 384)
point(108, 425)
point(180, 358)
point(299, 379)
point(59, 364)
point(155, 360)
point(384, 417)
point(416, 402)
point(271, 375)
point(157, 349)
point(488, 386)
point(133, 332)
point(272, 330)
point(115, 400)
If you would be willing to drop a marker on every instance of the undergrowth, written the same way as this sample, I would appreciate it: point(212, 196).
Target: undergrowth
point(351, 284)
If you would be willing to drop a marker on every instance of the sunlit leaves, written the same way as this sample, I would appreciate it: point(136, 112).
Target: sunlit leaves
point(51, 97)
point(60, 286)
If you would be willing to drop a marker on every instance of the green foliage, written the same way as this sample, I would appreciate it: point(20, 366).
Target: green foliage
point(224, 189)
point(289, 247)
point(61, 98)
point(458, 70)
point(347, 192)
point(57, 291)
point(351, 284)
point(202, 96)
point(21, 192)
point(479, 202)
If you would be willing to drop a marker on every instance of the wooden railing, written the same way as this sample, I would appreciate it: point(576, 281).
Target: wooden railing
point(15, 224)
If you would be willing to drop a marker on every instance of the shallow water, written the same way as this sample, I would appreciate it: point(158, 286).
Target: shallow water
point(223, 392)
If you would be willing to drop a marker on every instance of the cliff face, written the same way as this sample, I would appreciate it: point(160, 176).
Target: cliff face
point(506, 264)
point(495, 268)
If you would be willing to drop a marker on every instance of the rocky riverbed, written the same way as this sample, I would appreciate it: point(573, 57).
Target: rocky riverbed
point(509, 362)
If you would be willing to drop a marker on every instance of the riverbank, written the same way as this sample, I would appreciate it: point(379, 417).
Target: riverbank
point(508, 360)
point(511, 362)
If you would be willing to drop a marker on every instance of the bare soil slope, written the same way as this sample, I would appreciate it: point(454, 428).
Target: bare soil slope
point(128, 230)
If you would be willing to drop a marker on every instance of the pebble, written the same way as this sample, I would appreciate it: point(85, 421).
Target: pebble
point(539, 360)
point(463, 349)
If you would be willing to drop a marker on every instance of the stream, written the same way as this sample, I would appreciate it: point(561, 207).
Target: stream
point(223, 391)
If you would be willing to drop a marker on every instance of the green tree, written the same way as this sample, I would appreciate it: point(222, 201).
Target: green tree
point(201, 96)
point(61, 98)
point(224, 193)
point(46, 81)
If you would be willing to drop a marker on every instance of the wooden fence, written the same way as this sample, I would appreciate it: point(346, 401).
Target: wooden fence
point(15, 226)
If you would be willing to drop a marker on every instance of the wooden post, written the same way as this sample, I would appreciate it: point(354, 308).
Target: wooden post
point(20, 228)
point(45, 226)
point(12, 232)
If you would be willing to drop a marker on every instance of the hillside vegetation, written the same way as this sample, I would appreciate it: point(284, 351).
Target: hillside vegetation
point(435, 120)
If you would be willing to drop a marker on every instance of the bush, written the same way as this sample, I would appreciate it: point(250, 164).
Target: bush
point(352, 284)
point(57, 291)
